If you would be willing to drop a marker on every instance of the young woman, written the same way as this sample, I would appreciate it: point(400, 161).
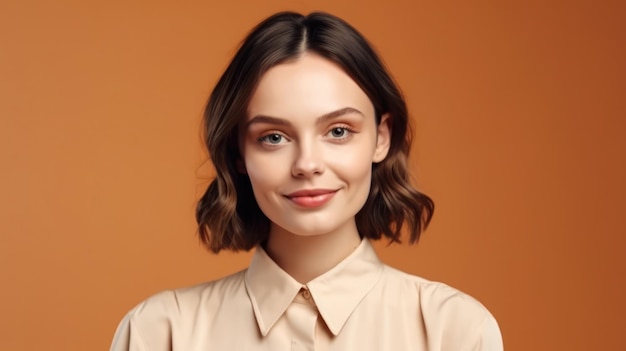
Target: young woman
point(309, 136)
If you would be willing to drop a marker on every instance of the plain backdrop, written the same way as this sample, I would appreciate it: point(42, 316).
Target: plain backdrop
point(519, 110)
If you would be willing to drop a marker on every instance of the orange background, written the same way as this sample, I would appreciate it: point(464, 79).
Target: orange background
point(520, 117)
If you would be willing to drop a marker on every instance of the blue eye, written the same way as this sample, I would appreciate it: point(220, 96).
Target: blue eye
point(273, 139)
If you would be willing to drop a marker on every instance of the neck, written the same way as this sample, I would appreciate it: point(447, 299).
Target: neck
point(307, 257)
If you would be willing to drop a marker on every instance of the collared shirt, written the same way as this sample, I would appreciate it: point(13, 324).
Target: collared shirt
point(360, 304)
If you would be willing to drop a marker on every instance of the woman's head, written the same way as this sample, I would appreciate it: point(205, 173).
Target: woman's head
point(229, 215)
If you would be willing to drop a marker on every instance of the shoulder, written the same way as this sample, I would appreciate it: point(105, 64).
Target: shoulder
point(150, 324)
point(172, 304)
point(448, 314)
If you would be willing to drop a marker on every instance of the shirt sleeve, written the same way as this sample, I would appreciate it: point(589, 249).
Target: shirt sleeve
point(148, 326)
point(490, 338)
point(455, 321)
point(126, 338)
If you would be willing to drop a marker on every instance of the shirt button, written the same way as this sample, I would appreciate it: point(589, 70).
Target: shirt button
point(306, 294)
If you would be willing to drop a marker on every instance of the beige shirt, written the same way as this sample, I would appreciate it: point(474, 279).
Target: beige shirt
point(360, 304)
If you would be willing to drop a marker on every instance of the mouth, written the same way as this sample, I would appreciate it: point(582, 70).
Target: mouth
point(311, 198)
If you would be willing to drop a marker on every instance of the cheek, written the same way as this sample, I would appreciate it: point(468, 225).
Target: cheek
point(356, 161)
point(355, 172)
point(258, 173)
point(263, 171)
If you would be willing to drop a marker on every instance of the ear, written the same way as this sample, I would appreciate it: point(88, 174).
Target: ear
point(383, 139)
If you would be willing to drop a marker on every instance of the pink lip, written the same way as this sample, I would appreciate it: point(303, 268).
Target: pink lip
point(311, 197)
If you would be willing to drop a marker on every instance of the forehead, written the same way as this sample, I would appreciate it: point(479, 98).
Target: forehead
point(306, 88)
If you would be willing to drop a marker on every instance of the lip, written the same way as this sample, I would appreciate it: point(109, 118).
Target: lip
point(311, 198)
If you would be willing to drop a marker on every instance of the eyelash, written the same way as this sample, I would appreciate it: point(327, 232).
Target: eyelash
point(349, 131)
point(346, 129)
point(264, 138)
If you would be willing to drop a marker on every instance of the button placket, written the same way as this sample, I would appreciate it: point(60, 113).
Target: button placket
point(302, 318)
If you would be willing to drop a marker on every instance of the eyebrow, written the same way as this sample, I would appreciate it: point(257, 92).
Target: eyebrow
point(321, 119)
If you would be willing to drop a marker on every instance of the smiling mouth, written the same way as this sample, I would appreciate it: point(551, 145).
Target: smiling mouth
point(311, 198)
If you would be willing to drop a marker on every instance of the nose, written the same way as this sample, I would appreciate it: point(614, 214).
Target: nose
point(307, 161)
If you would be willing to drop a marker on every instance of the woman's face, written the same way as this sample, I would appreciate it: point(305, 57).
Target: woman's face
point(308, 143)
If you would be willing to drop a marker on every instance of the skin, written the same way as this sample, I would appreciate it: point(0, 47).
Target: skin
point(309, 126)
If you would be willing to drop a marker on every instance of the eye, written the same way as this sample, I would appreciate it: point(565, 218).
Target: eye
point(340, 133)
point(273, 139)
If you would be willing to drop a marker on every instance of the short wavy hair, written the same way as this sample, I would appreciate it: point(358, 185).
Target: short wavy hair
point(228, 215)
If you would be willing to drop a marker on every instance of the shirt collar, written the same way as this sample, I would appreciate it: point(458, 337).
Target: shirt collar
point(336, 293)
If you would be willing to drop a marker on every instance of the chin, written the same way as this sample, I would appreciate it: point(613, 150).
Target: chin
point(317, 228)
point(309, 232)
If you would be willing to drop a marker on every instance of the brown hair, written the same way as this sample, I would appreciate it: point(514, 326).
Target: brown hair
point(228, 215)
